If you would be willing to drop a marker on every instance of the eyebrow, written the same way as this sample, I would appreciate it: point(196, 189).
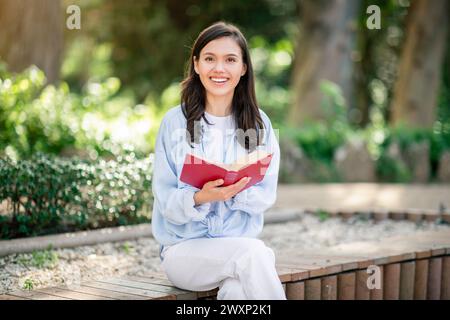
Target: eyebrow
point(229, 54)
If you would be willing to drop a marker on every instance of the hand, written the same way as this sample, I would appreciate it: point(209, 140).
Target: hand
point(212, 191)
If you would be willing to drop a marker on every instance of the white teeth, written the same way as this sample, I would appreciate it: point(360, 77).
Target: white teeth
point(218, 79)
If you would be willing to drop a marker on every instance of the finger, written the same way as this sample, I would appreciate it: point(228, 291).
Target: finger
point(243, 181)
point(217, 182)
point(237, 186)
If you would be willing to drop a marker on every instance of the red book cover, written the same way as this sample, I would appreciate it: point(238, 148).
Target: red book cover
point(197, 171)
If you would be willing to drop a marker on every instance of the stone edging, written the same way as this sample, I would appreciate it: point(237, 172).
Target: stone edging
point(75, 239)
point(378, 214)
point(91, 237)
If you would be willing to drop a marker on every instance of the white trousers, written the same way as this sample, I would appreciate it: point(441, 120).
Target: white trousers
point(242, 268)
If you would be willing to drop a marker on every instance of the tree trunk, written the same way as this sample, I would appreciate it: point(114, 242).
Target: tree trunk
point(323, 52)
point(417, 86)
point(31, 32)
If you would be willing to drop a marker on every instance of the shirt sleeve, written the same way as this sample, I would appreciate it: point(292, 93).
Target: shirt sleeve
point(176, 204)
point(261, 196)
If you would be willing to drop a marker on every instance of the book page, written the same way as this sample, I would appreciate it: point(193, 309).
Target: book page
point(242, 162)
point(248, 159)
point(219, 164)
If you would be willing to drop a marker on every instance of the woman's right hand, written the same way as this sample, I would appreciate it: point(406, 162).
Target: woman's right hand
point(212, 191)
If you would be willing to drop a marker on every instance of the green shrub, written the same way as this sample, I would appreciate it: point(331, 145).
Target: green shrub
point(390, 170)
point(47, 195)
point(35, 117)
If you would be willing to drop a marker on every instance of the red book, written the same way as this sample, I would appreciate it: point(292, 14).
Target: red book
point(197, 171)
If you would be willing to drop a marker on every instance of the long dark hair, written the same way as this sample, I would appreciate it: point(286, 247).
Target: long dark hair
point(244, 106)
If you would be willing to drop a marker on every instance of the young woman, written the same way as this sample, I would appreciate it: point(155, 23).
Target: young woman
point(208, 236)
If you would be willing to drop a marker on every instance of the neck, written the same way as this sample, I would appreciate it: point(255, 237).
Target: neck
point(219, 106)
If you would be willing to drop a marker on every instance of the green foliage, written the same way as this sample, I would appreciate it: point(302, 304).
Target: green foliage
point(127, 248)
point(322, 215)
point(320, 140)
point(150, 54)
point(41, 259)
point(271, 63)
point(49, 195)
point(28, 284)
point(391, 170)
point(35, 117)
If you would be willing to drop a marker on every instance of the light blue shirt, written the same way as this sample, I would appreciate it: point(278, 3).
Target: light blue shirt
point(175, 216)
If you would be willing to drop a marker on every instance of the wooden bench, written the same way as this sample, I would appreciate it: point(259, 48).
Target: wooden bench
point(411, 267)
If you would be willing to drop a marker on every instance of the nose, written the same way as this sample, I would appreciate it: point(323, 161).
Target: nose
point(219, 66)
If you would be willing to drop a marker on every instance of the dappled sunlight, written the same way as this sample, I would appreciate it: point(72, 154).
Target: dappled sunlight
point(363, 196)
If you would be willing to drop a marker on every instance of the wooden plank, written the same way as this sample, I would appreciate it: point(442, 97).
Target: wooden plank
point(380, 215)
point(397, 215)
point(362, 290)
point(431, 217)
point(421, 279)
point(312, 289)
point(209, 293)
point(312, 268)
point(128, 290)
point(158, 280)
point(295, 290)
point(434, 279)
point(377, 294)
point(9, 297)
point(181, 294)
point(291, 273)
point(346, 215)
point(391, 281)
point(284, 273)
point(106, 293)
point(318, 265)
point(422, 254)
point(445, 281)
point(446, 217)
point(74, 295)
point(350, 260)
point(392, 256)
point(407, 271)
point(439, 251)
point(346, 286)
point(414, 217)
point(34, 295)
point(328, 289)
point(142, 285)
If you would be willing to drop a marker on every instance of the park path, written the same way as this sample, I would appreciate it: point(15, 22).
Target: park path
point(353, 196)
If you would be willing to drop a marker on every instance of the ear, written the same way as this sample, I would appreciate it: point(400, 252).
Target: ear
point(244, 70)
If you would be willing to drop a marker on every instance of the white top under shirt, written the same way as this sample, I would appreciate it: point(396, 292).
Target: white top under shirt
point(216, 151)
point(221, 125)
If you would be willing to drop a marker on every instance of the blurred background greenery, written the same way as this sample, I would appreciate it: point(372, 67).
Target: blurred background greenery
point(322, 75)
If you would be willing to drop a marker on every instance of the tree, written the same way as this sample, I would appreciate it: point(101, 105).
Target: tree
point(32, 33)
point(323, 52)
point(418, 83)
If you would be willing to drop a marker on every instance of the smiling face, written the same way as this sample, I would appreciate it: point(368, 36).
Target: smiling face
point(220, 67)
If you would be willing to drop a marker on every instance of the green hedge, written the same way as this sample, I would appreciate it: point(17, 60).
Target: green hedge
point(46, 194)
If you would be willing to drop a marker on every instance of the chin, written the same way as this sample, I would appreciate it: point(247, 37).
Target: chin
point(216, 92)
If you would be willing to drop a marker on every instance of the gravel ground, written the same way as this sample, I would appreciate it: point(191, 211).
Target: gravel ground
point(70, 266)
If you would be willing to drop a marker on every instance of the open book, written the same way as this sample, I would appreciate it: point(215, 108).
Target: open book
point(197, 171)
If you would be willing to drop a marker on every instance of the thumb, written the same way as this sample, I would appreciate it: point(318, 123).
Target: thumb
point(218, 182)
